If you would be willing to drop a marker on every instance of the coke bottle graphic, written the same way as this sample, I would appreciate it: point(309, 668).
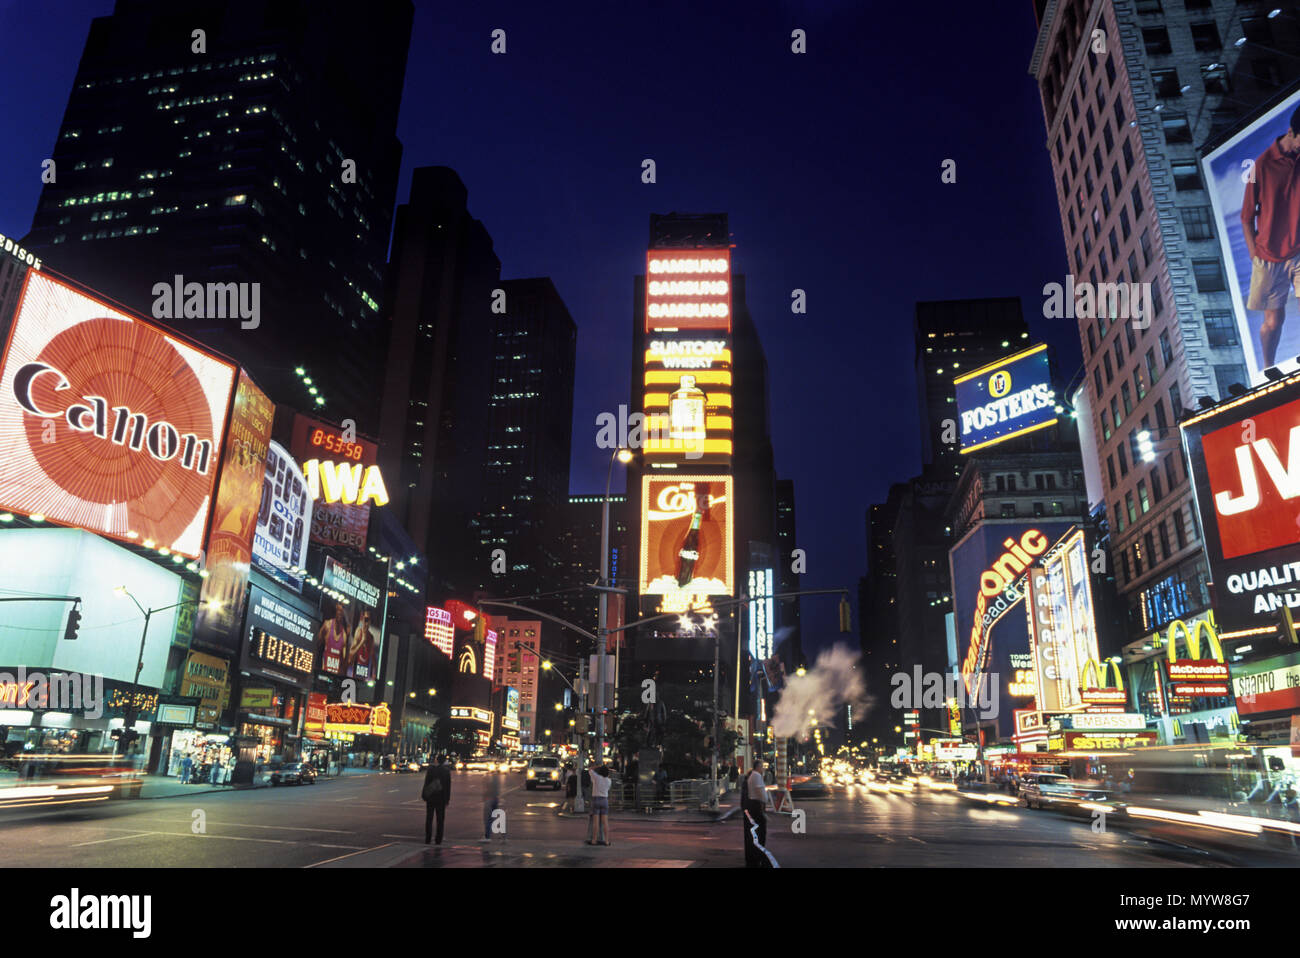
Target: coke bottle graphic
point(690, 551)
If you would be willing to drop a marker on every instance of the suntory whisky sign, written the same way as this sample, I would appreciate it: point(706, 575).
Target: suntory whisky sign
point(107, 422)
point(687, 399)
point(686, 530)
point(688, 289)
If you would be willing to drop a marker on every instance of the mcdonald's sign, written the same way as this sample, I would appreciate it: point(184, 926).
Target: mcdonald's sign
point(1098, 694)
point(1195, 677)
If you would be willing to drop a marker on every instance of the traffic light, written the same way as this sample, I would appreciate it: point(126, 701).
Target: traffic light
point(74, 621)
point(480, 628)
point(846, 624)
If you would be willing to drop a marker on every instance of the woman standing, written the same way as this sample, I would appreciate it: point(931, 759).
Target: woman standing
point(599, 825)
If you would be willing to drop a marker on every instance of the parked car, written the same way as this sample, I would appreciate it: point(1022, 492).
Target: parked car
point(543, 771)
point(294, 773)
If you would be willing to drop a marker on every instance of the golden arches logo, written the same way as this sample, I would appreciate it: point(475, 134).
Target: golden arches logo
point(1097, 669)
point(1192, 639)
point(999, 384)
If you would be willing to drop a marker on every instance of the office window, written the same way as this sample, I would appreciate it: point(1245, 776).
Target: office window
point(1121, 452)
point(1166, 353)
point(1180, 533)
point(1127, 152)
point(1220, 328)
point(1116, 180)
point(1164, 540)
point(1119, 353)
point(1130, 507)
point(1092, 340)
point(1171, 476)
point(1176, 401)
point(1106, 136)
point(1102, 261)
point(1161, 421)
point(1110, 469)
point(1123, 223)
point(1070, 213)
point(1138, 384)
point(1119, 517)
point(1114, 245)
point(1114, 412)
point(1123, 558)
point(1133, 272)
point(1142, 496)
point(1166, 84)
point(1146, 247)
point(1096, 381)
point(1156, 40)
point(1176, 127)
point(1105, 359)
point(1198, 222)
point(1105, 424)
point(1136, 195)
point(1205, 37)
point(1127, 395)
point(1008, 510)
point(1110, 69)
point(1038, 509)
point(1228, 375)
point(1105, 199)
point(1120, 117)
point(1209, 275)
point(1157, 490)
point(1186, 176)
point(1215, 78)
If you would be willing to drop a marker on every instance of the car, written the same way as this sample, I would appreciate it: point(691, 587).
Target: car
point(1040, 789)
point(808, 786)
point(518, 764)
point(294, 773)
point(543, 771)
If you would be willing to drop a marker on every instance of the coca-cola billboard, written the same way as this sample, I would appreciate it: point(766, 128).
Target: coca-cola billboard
point(686, 532)
point(1245, 466)
point(107, 422)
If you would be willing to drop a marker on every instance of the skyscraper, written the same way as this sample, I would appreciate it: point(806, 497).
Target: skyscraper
point(787, 580)
point(239, 142)
point(1131, 89)
point(436, 390)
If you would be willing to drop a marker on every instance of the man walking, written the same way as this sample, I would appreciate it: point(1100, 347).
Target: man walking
point(1270, 223)
point(436, 795)
point(753, 809)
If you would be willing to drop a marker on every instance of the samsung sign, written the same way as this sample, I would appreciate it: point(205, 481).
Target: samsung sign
point(1006, 399)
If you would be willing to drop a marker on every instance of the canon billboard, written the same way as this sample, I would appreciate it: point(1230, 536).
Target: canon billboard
point(1245, 463)
point(107, 422)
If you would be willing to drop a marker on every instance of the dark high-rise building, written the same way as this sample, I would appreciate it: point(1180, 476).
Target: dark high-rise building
point(260, 153)
point(525, 476)
point(437, 388)
point(578, 543)
point(878, 608)
point(786, 579)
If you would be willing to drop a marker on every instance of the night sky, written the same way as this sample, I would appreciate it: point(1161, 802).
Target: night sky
point(828, 164)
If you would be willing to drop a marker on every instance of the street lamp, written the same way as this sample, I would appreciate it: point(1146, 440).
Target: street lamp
point(139, 662)
point(624, 456)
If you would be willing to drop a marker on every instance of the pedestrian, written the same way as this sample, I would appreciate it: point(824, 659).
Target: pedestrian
point(753, 811)
point(186, 764)
point(436, 794)
point(570, 787)
point(599, 821)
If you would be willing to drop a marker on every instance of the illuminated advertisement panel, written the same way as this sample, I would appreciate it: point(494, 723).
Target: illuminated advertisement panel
point(686, 532)
point(985, 567)
point(511, 719)
point(342, 474)
point(348, 718)
point(360, 621)
point(314, 713)
point(1073, 626)
point(1006, 399)
point(1244, 459)
point(281, 638)
point(688, 289)
point(439, 630)
point(283, 519)
point(490, 655)
point(762, 612)
point(108, 423)
point(687, 399)
point(1249, 180)
point(234, 518)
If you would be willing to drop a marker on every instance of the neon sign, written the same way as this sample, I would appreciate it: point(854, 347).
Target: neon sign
point(348, 483)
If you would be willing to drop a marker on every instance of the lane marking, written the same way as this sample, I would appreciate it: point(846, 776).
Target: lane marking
point(120, 838)
point(349, 855)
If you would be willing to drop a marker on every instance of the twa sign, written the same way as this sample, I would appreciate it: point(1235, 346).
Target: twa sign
point(108, 423)
point(1254, 472)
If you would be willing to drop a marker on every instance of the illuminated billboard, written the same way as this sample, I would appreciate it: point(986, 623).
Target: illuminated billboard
point(357, 625)
point(762, 614)
point(234, 518)
point(341, 470)
point(687, 399)
point(107, 422)
point(1243, 461)
point(511, 718)
point(439, 630)
point(283, 518)
point(1251, 185)
point(1006, 399)
point(686, 532)
point(281, 638)
point(688, 289)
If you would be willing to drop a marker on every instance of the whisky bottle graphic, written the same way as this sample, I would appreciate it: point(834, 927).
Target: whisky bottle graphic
point(686, 412)
point(690, 551)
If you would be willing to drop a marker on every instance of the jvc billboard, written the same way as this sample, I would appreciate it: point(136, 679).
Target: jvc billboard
point(1006, 399)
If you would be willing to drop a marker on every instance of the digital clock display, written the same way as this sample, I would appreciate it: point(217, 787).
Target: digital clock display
point(335, 443)
point(279, 652)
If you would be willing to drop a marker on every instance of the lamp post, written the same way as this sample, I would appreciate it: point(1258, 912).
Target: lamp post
point(624, 456)
point(144, 634)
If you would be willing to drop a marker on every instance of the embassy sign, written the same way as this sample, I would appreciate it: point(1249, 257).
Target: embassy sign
point(1244, 458)
point(107, 422)
point(1006, 399)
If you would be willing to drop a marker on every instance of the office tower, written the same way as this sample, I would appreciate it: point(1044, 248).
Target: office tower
point(436, 392)
point(521, 670)
point(787, 580)
point(267, 159)
point(1131, 91)
point(525, 475)
point(578, 543)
